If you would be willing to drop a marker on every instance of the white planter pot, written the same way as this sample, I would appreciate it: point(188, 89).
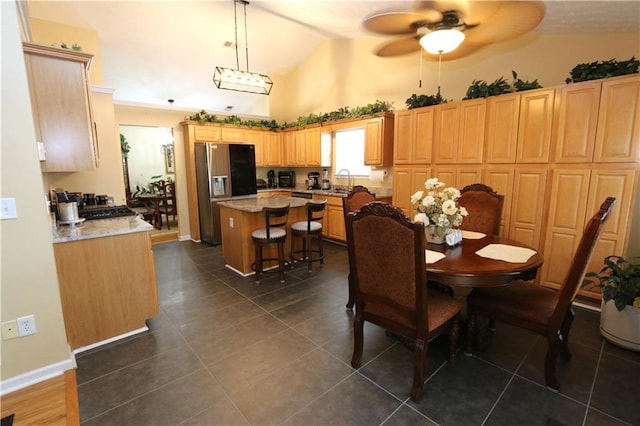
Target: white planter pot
point(622, 328)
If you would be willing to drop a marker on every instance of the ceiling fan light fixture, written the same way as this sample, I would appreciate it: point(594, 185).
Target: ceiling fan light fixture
point(442, 41)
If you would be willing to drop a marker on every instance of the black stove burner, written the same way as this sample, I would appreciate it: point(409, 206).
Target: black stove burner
point(104, 212)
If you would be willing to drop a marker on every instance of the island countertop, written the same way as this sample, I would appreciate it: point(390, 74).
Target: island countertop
point(99, 228)
point(255, 205)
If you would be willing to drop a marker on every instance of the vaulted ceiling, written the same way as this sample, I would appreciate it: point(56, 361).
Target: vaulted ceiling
point(153, 51)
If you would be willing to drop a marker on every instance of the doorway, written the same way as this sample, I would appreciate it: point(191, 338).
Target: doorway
point(148, 164)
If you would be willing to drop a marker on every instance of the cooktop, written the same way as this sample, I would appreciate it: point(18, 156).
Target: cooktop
point(105, 212)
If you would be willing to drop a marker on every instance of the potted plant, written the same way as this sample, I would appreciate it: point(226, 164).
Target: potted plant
point(619, 280)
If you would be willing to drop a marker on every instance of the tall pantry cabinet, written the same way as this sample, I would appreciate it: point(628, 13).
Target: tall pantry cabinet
point(554, 153)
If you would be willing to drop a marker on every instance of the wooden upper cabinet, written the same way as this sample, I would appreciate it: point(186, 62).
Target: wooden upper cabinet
point(575, 122)
point(535, 125)
point(272, 148)
point(289, 147)
point(378, 141)
point(503, 115)
point(459, 132)
point(60, 100)
point(203, 133)
point(413, 136)
point(232, 135)
point(312, 146)
point(618, 133)
point(406, 181)
point(254, 137)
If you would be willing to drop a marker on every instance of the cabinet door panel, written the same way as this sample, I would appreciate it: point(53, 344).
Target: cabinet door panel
point(289, 148)
point(534, 130)
point(468, 176)
point(313, 146)
point(254, 137)
point(618, 135)
point(501, 181)
point(446, 133)
point(576, 122)
point(448, 175)
point(503, 113)
point(207, 133)
point(471, 132)
point(403, 138)
point(402, 188)
point(301, 148)
point(527, 206)
point(272, 148)
point(566, 222)
point(423, 141)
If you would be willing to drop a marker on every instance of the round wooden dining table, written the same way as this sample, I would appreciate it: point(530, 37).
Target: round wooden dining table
point(463, 269)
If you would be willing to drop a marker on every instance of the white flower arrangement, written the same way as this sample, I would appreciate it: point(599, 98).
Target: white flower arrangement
point(438, 208)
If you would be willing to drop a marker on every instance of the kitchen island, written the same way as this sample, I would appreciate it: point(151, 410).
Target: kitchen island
point(239, 218)
point(107, 279)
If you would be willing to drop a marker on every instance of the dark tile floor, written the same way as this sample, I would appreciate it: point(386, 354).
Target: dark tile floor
point(227, 351)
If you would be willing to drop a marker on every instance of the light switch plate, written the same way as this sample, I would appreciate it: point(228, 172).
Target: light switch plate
point(42, 153)
point(8, 208)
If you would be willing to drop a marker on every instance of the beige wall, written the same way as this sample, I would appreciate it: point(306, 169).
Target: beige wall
point(29, 280)
point(345, 73)
point(108, 178)
point(137, 116)
point(53, 33)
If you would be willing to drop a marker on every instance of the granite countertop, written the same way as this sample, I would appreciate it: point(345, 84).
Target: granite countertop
point(380, 192)
point(99, 228)
point(255, 205)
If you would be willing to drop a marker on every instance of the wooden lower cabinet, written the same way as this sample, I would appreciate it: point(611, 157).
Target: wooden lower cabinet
point(527, 206)
point(333, 223)
point(107, 286)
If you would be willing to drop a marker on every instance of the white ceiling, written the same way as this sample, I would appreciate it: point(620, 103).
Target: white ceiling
point(153, 51)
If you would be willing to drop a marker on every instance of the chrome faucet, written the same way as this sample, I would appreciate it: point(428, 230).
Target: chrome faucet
point(348, 178)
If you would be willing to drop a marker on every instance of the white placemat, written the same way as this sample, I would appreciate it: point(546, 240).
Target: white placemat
point(431, 256)
point(471, 235)
point(506, 252)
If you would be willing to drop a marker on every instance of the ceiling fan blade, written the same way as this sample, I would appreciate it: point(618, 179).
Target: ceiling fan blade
point(399, 23)
point(466, 48)
point(399, 47)
point(511, 20)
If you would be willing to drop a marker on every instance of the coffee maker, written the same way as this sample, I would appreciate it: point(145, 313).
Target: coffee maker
point(271, 177)
point(313, 180)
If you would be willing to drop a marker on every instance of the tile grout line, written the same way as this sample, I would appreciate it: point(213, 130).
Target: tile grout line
point(593, 384)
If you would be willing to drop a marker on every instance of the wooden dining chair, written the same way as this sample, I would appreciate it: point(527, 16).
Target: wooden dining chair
point(387, 262)
point(356, 198)
point(168, 205)
point(542, 310)
point(484, 206)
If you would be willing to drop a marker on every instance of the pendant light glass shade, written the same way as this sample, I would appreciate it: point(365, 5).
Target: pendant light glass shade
point(242, 81)
point(442, 41)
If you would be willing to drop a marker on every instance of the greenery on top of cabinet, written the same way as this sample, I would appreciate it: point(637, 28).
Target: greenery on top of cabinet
point(344, 112)
point(482, 89)
point(602, 69)
point(418, 101)
point(204, 117)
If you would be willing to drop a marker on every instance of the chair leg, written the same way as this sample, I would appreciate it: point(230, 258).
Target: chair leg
point(472, 325)
point(309, 247)
point(321, 249)
point(564, 330)
point(419, 356)
point(281, 260)
point(351, 300)
point(453, 340)
point(258, 261)
point(554, 343)
point(358, 337)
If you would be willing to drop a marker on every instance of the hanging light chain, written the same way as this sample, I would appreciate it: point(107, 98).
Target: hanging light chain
point(246, 39)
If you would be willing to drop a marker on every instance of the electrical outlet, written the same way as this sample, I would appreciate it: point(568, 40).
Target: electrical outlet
point(9, 330)
point(26, 325)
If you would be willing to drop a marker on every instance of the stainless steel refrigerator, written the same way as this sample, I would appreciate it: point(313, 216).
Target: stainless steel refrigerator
point(223, 172)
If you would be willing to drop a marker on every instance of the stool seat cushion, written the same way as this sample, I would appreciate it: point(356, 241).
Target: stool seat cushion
point(274, 233)
point(302, 226)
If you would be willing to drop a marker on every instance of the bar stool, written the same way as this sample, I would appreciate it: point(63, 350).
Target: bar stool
point(274, 232)
point(309, 230)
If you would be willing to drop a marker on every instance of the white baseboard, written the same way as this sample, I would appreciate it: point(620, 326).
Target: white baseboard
point(112, 339)
point(36, 376)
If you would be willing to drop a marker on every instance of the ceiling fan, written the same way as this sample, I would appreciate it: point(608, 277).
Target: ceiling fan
point(475, 24)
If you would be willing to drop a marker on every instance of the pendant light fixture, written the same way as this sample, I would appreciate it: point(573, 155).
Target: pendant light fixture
point(236, 79)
